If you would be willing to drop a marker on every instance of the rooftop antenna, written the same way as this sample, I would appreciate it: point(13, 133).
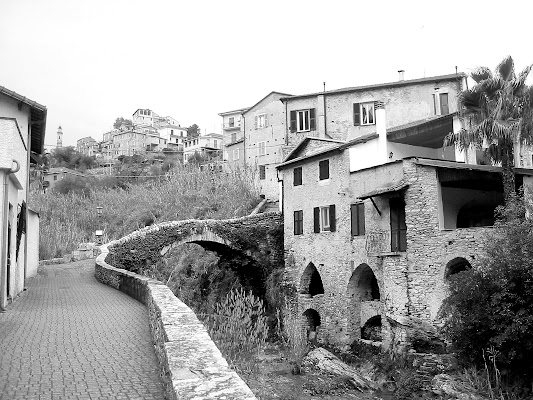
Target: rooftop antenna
point(456, 70)
point(324, 83)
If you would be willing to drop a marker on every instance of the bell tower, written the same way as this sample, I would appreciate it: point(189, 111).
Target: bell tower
point(59, 137)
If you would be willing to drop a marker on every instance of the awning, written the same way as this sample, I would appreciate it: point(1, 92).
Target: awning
point(387, 189)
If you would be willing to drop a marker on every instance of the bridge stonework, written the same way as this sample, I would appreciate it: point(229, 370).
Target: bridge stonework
point(191, 365)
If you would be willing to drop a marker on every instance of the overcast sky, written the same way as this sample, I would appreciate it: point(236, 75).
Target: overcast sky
point(92, 61)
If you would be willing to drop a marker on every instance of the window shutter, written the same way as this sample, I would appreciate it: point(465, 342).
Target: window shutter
point(316, 219)
point(361, 218)
point(255, 122)
point(295, 222)
point(353, 215)
point(356, 114)
point(444, 108)
point(266, 120)
point(323, 170)
point(332, 218)
point(293, 121)
point(312, 123)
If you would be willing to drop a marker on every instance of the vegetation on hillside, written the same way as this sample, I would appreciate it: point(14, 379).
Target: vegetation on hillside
point(71, 218)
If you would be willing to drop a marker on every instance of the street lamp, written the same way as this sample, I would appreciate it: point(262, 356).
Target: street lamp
point(99, 232)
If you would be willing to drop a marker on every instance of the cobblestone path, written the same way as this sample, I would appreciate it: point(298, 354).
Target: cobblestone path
point(70, 337)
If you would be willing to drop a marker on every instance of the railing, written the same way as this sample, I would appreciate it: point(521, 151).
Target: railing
point(385, 242)
point(231, 125)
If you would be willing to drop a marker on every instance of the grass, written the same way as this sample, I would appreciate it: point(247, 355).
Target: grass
point(69, 219)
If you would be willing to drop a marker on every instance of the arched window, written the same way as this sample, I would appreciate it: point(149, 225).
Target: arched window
point(458, 264)
point(363, 284)
point(371, 330)
point(311, 282)
point(313, 319)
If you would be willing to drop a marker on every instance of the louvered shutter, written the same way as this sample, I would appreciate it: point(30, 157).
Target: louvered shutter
point(312, 122)
point(266, 120)
point(293, 121)
point(255, 122)
point(356, 114)
point(332, 219)
point(316, 219)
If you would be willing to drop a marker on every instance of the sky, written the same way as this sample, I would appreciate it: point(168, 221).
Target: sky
point(90, 62)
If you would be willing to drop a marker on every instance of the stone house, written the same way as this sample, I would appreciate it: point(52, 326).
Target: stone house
point(233, 137)
point(376, 224)
point(22, 130)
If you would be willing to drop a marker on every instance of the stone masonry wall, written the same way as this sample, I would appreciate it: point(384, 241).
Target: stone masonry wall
point(192, 367)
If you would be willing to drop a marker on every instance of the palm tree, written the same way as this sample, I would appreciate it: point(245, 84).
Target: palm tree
point(496, 113)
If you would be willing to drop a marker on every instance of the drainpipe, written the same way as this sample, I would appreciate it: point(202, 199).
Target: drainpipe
point(5, 213)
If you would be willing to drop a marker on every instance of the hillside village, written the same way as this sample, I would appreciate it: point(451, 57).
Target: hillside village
point(380, 210)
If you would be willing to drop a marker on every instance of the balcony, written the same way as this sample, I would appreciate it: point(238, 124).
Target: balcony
point(230, 126)
point(385, 243)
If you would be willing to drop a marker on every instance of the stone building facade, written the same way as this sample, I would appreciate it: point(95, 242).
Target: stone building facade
point(375, 225)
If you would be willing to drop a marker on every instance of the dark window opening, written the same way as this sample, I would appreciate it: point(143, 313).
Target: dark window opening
point(315, 286)
point(313, 319)
point(262, 172)
point(297, 173)
point(372, 329)
point(457, 265)
point(323, 170)
point(475, 214)
point(298, 222)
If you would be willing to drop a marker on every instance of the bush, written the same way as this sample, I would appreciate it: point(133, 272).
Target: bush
point(239, 328)
point(491, 304)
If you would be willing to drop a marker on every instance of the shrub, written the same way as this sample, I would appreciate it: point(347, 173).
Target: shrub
point(490, 305)
point(239, 328)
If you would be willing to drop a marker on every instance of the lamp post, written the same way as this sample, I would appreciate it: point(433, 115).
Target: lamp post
point(99, 232)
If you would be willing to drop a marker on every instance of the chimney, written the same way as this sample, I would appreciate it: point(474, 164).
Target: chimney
point(401, 75)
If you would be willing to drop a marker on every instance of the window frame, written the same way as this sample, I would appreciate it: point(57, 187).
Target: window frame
point(304, 116)
point(368, 107)
point(324, 219)
point(298, 222)
point(261, 121)
point(262, 172)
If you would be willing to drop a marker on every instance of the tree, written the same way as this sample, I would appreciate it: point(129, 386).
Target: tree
point(120, 121)
point(496, 114)
point(193, 131)
point(490, 305)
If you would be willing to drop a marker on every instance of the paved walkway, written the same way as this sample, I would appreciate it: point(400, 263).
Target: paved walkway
point(70, 337)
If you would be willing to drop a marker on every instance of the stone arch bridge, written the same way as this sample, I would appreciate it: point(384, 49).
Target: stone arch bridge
point(257, 237)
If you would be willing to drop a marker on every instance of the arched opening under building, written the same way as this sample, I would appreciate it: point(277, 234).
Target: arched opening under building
point(364, 299)
point(371, 330)
point(312, 319)
point(458, 264)
point(311, 282)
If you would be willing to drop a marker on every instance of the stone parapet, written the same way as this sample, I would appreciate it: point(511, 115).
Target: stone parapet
point(192, 367)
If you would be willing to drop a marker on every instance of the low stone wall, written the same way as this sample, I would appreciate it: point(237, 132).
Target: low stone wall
point(192, 367)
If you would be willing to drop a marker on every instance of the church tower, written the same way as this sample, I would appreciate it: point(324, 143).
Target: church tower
point(59, 137)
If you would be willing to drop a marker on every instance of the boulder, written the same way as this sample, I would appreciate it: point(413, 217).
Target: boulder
point(446, 385)
point(325, 361)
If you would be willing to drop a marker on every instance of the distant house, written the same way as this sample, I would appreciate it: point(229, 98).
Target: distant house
point(233, 132)
point(208, 146)
point(88, 146)
point(22, 131)
point(56, 174)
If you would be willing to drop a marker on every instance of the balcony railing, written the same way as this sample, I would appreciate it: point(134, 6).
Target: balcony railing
point(379, 243)
point(231, 125)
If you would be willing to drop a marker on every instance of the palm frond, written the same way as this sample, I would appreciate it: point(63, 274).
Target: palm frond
point(480, 74)
point(505, 68)
point(471, 99)
point(519, 83)
point(492, 87)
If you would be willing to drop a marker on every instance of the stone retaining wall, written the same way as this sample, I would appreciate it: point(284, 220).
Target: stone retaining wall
point(192, 367)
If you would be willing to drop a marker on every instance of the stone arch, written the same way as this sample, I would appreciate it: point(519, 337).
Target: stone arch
point(456, 265)
point(312, 322)
point(311, 282)
point(364, 299)
point(371, 330)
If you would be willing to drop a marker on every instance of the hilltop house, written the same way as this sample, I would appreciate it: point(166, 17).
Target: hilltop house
point(22, 130)
point(375, 225)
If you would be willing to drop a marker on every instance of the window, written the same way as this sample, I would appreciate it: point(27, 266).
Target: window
point(215, 143)
point(297, 173)
point(55, 177)
point(260, 121)
point(231, 122)
point(235, 154)
point(262, 172)
point(440, 103)
point(364, 114)
point(324, 218)
point(303, 120)
point(233, 137)
point(298, 222)
point(357, 212)
point(397, 224)
point(323, 170)
point(261, 148)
